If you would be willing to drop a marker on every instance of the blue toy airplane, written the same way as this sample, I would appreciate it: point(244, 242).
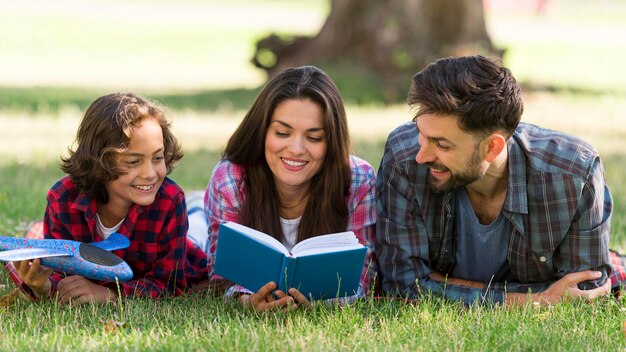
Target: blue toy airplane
point(91, 260)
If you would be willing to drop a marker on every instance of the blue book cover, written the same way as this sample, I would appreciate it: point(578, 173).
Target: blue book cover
point(321, 267)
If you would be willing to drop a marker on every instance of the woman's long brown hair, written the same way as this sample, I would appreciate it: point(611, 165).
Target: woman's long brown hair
point(326, 210)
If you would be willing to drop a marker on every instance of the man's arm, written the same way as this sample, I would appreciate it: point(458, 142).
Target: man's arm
point(586, 245)
point(402, 244)
point(564, 289)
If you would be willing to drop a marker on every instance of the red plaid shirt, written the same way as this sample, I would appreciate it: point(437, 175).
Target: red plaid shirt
point(164, 262)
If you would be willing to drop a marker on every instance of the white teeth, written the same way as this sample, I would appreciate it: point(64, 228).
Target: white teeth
point(144, 188)
point(294, 163)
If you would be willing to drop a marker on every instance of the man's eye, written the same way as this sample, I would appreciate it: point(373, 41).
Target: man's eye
point(443, 147)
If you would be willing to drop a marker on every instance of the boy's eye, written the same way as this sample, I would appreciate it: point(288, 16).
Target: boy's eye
point(159, 157)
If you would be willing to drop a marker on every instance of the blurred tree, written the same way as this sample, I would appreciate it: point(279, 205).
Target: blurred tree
point(391, 39)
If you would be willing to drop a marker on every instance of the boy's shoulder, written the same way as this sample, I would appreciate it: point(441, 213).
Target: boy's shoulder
point(171, 190)
point(64, 188)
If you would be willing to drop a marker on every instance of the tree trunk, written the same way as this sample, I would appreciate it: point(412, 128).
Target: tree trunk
point(392, 39)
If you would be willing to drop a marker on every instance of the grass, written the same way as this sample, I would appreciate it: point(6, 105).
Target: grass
point(192, 56)
point(206, 323)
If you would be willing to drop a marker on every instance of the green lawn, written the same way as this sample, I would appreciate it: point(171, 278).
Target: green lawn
point(193, 57)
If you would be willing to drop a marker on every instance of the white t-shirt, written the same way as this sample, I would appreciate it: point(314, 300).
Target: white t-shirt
point(290, 232)
point(104, 231)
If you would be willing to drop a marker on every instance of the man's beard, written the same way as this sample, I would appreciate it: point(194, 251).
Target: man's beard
point(471, 174)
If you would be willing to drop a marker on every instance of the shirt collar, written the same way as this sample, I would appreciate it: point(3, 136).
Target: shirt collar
point(516, 198)
point(89, 206)
point(86, 205)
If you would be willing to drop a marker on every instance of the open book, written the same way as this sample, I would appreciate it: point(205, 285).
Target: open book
point(322, 267)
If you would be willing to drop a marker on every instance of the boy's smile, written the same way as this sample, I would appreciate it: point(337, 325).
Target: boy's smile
point(144, 163)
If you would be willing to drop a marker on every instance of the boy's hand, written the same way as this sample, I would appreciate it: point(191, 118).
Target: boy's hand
point(34, 276)
point(77, 290)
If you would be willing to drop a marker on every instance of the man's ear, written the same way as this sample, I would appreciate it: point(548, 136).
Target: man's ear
point(495, 144)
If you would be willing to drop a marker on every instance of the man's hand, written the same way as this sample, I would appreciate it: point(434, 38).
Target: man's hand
point(78, 290)
point(567, 288)
point(563, 290)
point(34, 276)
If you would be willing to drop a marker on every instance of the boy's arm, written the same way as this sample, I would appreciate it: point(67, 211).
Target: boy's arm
point(166, 276)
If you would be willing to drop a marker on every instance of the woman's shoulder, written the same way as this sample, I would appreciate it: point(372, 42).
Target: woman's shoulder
point(361, 169)
point(226, 173)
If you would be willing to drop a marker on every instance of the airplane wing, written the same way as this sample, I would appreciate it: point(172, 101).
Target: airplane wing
point(113, 242)
point(31, 253)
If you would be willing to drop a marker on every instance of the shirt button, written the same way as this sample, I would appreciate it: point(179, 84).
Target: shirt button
point(542, 259)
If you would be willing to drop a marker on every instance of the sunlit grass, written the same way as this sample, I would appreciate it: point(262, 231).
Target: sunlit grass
point(173, 45)
point(205, 323)
point(193, 57)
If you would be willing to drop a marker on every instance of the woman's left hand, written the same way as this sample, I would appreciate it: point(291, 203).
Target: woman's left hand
point(300, 299)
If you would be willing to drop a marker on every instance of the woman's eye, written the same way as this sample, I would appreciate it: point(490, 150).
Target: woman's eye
point(132, 162)
point(281, 134)
point(315, 139)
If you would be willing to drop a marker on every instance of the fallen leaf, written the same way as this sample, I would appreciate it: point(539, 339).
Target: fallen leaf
point(11, 298)
point(112, 326)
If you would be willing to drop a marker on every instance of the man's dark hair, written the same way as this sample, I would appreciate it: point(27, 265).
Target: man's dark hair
point(479, 91)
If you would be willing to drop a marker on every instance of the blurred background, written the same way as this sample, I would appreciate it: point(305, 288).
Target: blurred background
point(205, 61)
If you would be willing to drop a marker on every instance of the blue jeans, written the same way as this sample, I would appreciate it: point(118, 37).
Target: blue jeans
point(198, 223)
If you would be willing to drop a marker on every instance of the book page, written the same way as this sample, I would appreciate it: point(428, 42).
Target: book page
point(327, 243)
point(258, 236)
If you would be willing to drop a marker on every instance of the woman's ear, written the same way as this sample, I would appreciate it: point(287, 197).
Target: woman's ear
point(495, 143)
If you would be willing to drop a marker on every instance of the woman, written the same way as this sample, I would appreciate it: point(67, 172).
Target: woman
point(287, 171)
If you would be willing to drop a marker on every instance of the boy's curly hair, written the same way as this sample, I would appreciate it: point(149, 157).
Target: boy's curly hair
point(104, 133)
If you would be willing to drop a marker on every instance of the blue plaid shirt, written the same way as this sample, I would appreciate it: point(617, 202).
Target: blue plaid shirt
point(557, 202)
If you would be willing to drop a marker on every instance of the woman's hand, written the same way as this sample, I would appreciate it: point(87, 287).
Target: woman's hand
point(34, 276)
point(301, 299)
point(264, 300)
point(78, 290)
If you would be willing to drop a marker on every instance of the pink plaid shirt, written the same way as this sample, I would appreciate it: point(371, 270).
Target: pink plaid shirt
point(226, 192)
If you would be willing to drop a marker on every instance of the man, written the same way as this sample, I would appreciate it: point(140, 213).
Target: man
point(476, 207)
